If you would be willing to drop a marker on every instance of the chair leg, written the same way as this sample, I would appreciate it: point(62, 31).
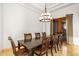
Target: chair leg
point(55, 49)
point(51, 52)
point(61, 42)
point(57, 46)
point(60, 45)
point(46, 53)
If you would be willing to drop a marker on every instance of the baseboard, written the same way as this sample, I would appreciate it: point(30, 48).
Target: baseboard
point(70, 43)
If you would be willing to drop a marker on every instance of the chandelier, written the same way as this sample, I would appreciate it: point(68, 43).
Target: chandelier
point(45, 16)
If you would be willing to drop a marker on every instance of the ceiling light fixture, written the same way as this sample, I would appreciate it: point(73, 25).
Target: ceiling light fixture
point(45, 16)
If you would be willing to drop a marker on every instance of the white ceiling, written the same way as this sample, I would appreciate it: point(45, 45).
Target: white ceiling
point(39, 7)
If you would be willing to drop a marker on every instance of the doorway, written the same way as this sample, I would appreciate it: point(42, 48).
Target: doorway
point(59, 25)
point(63, 24)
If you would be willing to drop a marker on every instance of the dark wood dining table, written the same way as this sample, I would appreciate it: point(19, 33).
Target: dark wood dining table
point(30, 45)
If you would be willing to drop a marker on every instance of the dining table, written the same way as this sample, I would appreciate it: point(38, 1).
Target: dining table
point(31, 45)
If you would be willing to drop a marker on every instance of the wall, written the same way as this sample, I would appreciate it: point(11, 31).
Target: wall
point(0, 26)
point(19, 20)
point(73, 9)
point(46, 27)
point(69, 30)
point(76, 29)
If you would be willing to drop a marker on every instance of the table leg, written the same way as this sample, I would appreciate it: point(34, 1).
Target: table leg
point(31, 52)
point(18, 45)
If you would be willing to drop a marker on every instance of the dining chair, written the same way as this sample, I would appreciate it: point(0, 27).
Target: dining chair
point(60, 37)
point(37, 35)
point(43, 34)
point(27, 37)
point(43, 49)
point(57, 40)
point(52, 44)
point(16, 51)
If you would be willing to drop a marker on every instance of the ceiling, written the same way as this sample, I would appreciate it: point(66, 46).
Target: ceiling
point(51, 7)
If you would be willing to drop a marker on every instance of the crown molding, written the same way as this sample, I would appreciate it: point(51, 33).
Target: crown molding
point(54, 5)
point(51, 8)
point(29, 7)
point(61, 6)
